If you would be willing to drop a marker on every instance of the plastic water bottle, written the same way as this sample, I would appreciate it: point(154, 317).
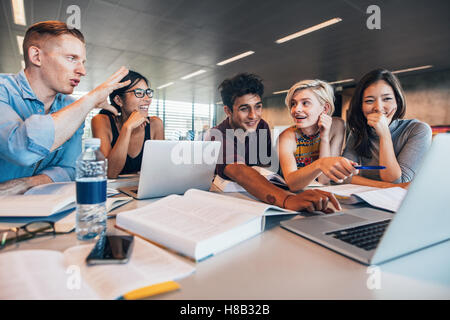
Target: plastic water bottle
point(91, 169)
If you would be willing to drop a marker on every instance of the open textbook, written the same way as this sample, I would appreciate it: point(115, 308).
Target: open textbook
point(274, 178)
point(49, 199)
point(198, 224)
point(48, 274)
point(384, 198)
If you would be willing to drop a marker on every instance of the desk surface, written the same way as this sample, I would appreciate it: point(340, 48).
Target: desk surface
point(278, 264)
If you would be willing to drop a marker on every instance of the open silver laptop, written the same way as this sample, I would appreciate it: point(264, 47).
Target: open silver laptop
point(172, 167)
point(371, 236)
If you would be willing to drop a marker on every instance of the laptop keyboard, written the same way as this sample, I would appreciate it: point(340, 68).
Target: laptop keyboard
point(365, 237)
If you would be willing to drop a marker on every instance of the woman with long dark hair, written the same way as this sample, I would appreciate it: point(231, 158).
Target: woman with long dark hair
point(123, 136)
point(378, 134)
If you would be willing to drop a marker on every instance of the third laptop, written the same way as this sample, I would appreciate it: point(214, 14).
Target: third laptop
point(372, 236)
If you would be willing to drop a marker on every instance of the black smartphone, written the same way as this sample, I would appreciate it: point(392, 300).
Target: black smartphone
point(111, 249)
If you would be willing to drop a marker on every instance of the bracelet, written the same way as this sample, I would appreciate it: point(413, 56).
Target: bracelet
point(284, 202)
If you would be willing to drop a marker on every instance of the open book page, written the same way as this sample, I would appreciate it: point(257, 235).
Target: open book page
point(182, 221)
point(113, 203)
point(388, 198)
point(275, 177)
point(269, 175)
point(148, 265)
point(255, 207)
point(347, 190)
point(231, 186)
point(62, 188)
point(227, 203)
point(38, 274)
point(384, 198)
point(315, 183)
point(227, 185)
point(33, 205)
point(54, 201)
point(64, 220)
point(69, 189)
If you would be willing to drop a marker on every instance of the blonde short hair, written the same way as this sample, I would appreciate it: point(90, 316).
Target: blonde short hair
point(322, 90)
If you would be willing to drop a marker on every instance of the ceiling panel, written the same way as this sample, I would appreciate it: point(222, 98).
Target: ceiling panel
point(168, 39)
point(155, 8)
point(46, 10)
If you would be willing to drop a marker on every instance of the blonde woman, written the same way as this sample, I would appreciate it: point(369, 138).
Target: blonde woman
point(311, 148)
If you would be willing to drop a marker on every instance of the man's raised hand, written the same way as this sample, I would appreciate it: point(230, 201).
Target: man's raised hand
point(98, 96)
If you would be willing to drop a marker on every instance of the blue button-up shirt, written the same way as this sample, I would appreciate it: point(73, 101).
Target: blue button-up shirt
point(27, 134)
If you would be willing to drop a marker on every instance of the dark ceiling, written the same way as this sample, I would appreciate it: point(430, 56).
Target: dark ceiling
point(168, 39)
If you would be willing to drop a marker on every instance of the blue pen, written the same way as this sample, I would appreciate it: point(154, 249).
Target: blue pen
point(369, 167)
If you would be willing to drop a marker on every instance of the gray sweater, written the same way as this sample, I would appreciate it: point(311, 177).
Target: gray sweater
point(411, 140)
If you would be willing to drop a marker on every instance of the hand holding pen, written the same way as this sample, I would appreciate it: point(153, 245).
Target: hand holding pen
point(369, 167)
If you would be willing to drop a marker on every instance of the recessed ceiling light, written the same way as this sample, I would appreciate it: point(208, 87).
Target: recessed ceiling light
point(309, 30)
point(20, 43)
point(240, 56)
point(18, 12)
point(165, 85)
point(412, 69)
point(279, 92)
point(341, 81)
point(193, 74)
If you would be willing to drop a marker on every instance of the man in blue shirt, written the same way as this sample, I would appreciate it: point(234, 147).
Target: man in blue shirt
point(41, 127)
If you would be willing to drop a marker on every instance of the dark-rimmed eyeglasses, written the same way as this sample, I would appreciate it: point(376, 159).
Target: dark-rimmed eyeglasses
point(139, 93)
point(31, 230)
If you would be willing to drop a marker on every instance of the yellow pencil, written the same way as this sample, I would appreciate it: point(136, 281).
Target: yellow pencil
point(151, 290)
